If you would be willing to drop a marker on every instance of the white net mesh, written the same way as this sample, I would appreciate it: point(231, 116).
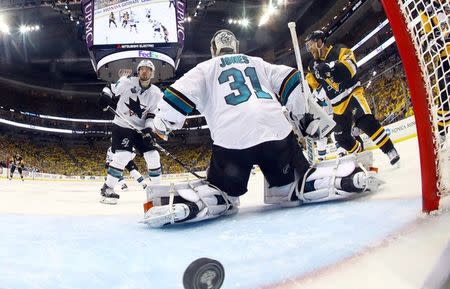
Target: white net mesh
point(428, 24)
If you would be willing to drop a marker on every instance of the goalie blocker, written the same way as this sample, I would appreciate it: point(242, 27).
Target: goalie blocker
point(194, 201)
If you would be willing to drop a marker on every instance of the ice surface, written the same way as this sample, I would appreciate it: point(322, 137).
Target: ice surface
point(57, 235)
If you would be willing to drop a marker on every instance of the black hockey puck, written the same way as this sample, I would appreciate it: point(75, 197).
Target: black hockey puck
point(204, 273)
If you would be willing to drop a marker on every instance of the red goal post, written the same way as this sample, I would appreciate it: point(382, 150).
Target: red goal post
point(420, 51)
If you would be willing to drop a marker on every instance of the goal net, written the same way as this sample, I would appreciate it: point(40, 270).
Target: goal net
point(421, 29)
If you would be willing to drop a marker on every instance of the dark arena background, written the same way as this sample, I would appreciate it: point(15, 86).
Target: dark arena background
point(57, 56)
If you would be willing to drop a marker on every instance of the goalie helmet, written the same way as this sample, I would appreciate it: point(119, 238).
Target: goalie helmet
point(224, 41)
point(147, 63)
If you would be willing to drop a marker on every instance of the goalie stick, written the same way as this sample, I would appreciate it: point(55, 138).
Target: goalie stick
point(156, 145)
point(327, 123)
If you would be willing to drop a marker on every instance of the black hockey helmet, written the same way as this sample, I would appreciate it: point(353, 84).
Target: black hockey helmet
point(316, 35)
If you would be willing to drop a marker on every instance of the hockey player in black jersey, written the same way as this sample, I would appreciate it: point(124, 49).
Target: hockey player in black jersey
point(334, 69)
point(16, 161)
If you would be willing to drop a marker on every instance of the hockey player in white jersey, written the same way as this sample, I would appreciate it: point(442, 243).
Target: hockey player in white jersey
point(137, 101)
point(241, 98)
point(131, 168)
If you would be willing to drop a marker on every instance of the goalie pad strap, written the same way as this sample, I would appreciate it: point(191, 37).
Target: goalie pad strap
point(204, 201)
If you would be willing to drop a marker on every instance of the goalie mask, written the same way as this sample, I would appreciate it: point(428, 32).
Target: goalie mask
point(147, 63)
point(224, 42)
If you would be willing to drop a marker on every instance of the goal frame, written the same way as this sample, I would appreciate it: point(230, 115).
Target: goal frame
point(419, 99)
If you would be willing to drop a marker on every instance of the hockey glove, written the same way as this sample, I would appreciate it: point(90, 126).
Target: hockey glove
point(107, 98)
point(147, 135)
point(322, 70)
point(309, 126)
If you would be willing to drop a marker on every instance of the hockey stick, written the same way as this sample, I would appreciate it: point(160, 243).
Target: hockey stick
point(155, 144)
point(326, 123)
point(305, 89)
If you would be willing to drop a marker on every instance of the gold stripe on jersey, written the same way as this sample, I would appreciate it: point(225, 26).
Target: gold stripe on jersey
point(312, 81)
point(341, 102)
point(342, 106)
point(347, 58)
point(356, 148)
point(333, 84)
point(358, 93)
point(383, 141)
point(326, 54)
point(374, 136)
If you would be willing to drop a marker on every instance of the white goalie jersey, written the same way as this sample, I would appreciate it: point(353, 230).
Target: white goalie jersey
point(241, 98)
point(136, 104)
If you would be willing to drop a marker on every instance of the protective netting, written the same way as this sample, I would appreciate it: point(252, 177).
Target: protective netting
point(428, 24)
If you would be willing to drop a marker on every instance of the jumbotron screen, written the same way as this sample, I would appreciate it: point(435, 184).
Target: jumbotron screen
point(134, 22)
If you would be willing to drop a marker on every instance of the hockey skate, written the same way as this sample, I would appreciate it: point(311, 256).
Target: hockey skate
point(394, 157)
point(108, 196)
point(159, 216)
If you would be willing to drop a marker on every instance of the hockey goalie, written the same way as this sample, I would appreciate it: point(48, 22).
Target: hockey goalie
point(242, 100)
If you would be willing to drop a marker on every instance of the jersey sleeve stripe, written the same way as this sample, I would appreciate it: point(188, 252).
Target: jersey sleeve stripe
point(288, 85)
point(182, 96)
point(178, 101)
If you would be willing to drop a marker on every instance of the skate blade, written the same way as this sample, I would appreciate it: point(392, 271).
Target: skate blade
point(108, 201)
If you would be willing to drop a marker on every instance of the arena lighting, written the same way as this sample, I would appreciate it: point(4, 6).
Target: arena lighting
point(264, 19)
point(35, 127)
point(4, 28)
point(245, 22)
point(68, 131)
point(26, 28)
point(271, 10)
point(375, 52)
point(23, 29)
point(74, 119)
point(79, 119)
point(362, 41)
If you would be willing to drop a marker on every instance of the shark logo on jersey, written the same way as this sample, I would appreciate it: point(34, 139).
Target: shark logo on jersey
point(135, 106)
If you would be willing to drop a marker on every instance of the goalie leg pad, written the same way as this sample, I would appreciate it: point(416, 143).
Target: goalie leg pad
point(282, 195)
point(338, 179)
point(186, 202)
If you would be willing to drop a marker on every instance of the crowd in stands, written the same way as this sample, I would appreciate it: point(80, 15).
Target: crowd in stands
point(388, 95)
point(89, 159)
